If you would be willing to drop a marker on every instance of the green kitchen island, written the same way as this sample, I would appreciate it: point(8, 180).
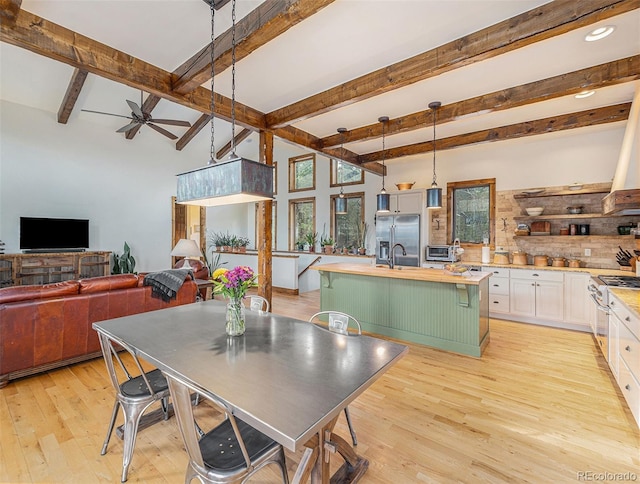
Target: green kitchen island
point(426, 306)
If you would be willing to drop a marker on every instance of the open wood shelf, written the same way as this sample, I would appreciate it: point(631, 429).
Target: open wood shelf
point(104, 263)
point(611, 236)
point(563, 216)
point(555, 192)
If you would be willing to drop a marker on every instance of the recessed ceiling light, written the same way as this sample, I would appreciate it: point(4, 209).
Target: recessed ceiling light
point(583, 94)
point(599, 33)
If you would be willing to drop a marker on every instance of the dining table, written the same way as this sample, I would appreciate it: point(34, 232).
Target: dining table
point(290, 379)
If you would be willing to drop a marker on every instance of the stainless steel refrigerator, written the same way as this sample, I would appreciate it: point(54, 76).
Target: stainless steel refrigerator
point(398, 229)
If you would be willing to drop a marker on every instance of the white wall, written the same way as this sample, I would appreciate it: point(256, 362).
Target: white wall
point(81, 170)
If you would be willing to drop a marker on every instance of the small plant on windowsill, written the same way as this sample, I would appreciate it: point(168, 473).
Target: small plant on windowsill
point(362, 238)
point(327, 244)
point(311, 239)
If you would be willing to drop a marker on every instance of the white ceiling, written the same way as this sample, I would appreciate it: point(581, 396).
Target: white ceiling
point(344, 40)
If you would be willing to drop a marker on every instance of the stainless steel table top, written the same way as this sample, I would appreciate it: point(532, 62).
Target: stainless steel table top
point(285, 377)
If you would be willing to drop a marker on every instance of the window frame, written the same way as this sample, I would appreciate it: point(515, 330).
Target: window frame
point(292, 178)
point(451, 187)
point(292, 203)
point(333, 214)
point(333, 174)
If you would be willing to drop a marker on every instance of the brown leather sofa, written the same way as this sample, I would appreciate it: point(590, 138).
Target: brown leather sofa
point(49, 326)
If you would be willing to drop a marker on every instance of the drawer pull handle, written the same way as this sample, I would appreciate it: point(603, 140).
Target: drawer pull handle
point(628, 348)
point(627, 387)
point(496, 285)
point(627, 319)
point(496, 302)
point(535, 275)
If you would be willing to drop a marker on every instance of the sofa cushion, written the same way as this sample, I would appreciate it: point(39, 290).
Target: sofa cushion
point(108, 283)
point(25, 293)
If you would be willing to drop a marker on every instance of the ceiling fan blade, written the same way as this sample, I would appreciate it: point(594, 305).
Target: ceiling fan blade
point(108, 114)
point(126, 128)
point(135, 109)
point(162, 131)
point(172, 122)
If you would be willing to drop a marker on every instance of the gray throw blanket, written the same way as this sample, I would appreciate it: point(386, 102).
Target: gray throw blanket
point(166, 284)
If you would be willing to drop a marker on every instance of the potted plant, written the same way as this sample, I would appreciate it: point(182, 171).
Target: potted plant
point(327, 244)
point(125, 263)
point(311, 239)
point(242, 243)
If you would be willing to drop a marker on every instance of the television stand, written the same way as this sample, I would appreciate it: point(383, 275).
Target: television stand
point(48, 267)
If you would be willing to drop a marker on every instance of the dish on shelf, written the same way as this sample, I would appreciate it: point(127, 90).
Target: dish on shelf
point(533, 192)
point(575, 186)
point(534, 211)
point(405, 185)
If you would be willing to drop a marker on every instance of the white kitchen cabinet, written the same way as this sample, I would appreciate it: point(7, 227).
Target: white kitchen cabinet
point(614, 337)
point(498, 290)
point(537, 294)
point(405, 203)
point(626, 353)
point(577, 304)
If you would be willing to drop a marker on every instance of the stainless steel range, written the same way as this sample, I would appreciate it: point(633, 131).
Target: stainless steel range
point(599, 292)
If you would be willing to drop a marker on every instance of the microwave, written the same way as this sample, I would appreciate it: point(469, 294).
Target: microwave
point(446, 253)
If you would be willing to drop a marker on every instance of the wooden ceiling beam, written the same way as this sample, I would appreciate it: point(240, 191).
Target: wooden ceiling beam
point(149, 104)
point(9, 10)
point(591, 117)
point(549, 20)
point(603, 75)
point(71, 96)
point(193, 131)
point(269, 20)
point(50, 40)
point(239, 138)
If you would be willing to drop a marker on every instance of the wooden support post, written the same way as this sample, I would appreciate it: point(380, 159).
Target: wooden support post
point(265, 226)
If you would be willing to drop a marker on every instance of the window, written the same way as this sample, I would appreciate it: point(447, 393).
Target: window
point(302, 220)
point(471, 209)
point(345, 174)
point(274, 225)
point(302, 173)
point(345, 228)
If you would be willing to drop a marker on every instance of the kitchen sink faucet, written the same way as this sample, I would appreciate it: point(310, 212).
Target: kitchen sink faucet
point(392, 258)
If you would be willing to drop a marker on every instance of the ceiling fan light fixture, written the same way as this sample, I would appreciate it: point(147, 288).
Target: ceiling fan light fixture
point(434, 194)
point(237, 179)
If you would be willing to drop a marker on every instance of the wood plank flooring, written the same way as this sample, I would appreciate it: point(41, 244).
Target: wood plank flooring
point(540, 406)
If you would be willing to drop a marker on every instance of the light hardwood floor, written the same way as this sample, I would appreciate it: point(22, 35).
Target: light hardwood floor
point(540, 406)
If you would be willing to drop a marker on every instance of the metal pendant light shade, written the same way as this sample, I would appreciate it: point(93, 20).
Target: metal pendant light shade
point(434, 194)
point(341, 205)
point(383, 202)
point(236, 180)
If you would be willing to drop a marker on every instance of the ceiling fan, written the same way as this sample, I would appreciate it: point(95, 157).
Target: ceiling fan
point(139, 118)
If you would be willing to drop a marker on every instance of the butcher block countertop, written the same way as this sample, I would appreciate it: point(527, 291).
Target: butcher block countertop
point(406, 273)
point(630, 298)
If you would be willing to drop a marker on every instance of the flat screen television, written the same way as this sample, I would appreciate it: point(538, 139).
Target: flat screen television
point(55, 234)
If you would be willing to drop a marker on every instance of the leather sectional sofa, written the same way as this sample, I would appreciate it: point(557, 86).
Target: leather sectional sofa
point(49, 326)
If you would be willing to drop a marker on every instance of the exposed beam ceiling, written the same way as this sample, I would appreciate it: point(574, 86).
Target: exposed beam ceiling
point(549, 20)
point(71, 96)
point(9, 10)
point(237, 139)
point(148, 105)
point(195, 128)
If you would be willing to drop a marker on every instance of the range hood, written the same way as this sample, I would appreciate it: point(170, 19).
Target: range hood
point(624, 198)
point(622, 202)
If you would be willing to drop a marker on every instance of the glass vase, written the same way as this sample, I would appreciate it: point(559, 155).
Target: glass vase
point(235, 317)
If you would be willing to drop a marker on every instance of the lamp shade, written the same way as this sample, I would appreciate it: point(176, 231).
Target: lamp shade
point(226, 182)
point(186, 248)
point(341, 205)
point(434, 197)
point(383, 202)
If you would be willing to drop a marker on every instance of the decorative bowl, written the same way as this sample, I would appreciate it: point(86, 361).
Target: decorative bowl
point(405, 185)
point(534, 211)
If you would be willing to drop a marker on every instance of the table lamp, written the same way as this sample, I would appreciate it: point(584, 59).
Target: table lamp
point(186, 248)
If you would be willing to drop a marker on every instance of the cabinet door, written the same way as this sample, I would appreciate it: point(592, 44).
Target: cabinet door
point(577, 303)
point(614, 337)
point(549, 300)
point(406, 202)
point(522, 297)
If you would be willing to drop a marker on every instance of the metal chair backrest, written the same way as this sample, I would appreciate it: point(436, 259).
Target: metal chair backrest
point(257, 303)
point(222, 463)
point(336, 322)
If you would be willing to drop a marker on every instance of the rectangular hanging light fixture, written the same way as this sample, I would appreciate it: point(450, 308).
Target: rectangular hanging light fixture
point(238, 180)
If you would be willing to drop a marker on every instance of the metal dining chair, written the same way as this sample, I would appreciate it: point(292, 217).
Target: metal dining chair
point(230, 452)
point(339, 322)
point(258, 303)
point(136, 389)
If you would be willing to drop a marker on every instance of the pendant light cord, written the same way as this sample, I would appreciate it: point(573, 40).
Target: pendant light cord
point(233, 78)
point(212, 159)
point(433, 184)
point(384, 154)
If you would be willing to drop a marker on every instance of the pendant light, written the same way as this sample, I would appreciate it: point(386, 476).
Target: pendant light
point(383, 199)
point(434, 194)
point(341, 201)
point(236, 180)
